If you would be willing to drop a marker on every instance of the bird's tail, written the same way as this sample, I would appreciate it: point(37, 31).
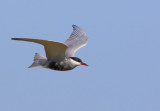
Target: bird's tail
point(39, 61)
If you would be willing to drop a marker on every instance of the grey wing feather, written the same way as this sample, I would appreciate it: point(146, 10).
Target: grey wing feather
point(77, 39)
point(54, 50)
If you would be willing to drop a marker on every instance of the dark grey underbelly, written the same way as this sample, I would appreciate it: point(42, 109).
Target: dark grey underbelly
point(57, 66)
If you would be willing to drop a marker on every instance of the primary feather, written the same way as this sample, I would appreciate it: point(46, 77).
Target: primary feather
point(77, 39)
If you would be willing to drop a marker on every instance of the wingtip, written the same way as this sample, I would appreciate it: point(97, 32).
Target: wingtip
point(13, 38)
point(74, 26)
point(17, 38)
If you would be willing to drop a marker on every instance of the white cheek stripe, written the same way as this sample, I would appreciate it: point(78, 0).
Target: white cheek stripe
point(75, 62)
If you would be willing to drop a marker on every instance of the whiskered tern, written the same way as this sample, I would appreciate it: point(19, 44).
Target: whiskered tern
point(59, 56)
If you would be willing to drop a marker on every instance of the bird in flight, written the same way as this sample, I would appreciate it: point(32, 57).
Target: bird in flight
point(60, 56)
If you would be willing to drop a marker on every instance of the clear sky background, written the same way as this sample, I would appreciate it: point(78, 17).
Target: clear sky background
point(123, 54)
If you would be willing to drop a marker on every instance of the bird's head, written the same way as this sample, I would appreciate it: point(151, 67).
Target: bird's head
point(78, 61)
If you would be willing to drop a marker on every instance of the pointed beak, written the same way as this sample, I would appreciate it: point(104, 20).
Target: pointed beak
point(82, 63)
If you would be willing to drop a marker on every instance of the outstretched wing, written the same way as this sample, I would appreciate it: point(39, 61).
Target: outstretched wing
point(77, 39)
point(54, 50)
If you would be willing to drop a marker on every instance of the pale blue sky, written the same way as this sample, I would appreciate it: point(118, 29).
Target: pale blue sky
point(122, 53)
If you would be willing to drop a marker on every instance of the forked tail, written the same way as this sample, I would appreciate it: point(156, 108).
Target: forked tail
point(39, 61)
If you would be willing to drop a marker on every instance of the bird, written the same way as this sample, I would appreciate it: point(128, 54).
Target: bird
point(60, 56)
